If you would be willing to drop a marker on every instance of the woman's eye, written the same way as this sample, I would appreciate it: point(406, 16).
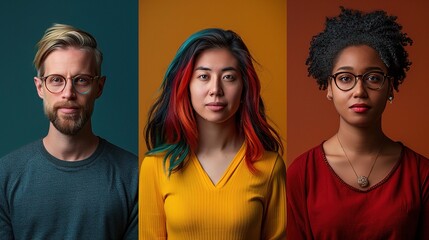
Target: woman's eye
point(374, 78)
point(203, 76)
point(345, 78)
point(229, 77)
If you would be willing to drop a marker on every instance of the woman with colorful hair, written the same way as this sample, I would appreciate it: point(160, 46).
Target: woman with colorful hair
point(213, 170)
point(359, 184)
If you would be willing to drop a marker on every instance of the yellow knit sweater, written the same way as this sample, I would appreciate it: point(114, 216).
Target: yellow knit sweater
point(188, 206)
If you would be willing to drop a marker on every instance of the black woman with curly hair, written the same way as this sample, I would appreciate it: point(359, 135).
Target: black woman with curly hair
point(359, 184)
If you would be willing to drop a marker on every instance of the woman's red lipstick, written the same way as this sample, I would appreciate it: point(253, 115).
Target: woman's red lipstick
point(360, 108)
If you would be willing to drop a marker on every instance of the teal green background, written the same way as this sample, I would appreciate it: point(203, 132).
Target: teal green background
point(115, 26)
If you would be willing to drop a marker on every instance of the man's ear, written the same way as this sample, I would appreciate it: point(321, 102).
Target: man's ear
point(101, 82)
point(39, 87)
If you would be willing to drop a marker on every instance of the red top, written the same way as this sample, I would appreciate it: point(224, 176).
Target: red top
point(322, 206)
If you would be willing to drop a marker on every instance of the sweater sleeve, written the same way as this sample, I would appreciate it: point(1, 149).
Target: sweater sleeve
point(5, 224)
point(6, 231)
point(298, 227)
point(132, 228)
point(152, 222)
point(274, 225)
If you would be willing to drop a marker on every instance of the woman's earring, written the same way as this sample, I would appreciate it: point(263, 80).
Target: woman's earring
point(390, 98)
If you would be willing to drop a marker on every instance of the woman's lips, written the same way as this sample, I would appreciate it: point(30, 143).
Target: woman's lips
point(360, 108)
point(216, 106)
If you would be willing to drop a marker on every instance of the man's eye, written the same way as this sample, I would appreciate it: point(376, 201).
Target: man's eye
point(55, 80)
point(81, 81)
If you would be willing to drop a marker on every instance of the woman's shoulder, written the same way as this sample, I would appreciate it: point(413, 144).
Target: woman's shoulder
point(153, 161)
point(414, 157)
point(417, 165)
point(305, 163)
point(312, 154)
point(408, 152)
point(270, 158)
point(270, 163)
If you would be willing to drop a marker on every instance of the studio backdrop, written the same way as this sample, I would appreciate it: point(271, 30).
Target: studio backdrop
point(165, 25)
point(112, 23)
point(312, 117)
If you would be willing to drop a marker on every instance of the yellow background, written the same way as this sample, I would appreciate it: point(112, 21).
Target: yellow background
point(165, 24)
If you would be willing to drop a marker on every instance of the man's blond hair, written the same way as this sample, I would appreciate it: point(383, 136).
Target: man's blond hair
point(61, 36)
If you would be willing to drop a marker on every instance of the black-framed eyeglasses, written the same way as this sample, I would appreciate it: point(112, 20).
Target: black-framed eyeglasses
point(345, 81)
point(82, 83)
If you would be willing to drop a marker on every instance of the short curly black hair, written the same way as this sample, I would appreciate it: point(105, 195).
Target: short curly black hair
point(351, 28)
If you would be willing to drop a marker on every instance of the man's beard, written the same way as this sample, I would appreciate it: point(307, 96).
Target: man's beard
point(68, 125)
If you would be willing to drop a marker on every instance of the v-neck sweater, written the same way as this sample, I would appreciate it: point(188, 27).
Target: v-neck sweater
point(187, 205)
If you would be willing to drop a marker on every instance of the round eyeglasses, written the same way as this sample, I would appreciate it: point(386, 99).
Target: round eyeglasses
point(81, 83)
point(345, 81)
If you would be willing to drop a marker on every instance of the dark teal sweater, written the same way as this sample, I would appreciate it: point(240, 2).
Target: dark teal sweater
point(42, 197)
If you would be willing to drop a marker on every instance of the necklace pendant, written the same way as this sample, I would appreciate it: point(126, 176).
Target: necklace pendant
point(363, 181)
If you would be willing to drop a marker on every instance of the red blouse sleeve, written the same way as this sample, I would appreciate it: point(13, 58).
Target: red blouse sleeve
point(298, 226)
point(424, 214)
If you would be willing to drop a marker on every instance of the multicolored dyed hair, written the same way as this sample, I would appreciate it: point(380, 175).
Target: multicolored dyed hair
point(172, 128)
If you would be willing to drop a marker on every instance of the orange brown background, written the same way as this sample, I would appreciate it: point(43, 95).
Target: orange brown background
point(312, 118)
point(164, 25)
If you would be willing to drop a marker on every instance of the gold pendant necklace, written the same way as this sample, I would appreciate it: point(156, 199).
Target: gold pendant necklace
point(363, 181)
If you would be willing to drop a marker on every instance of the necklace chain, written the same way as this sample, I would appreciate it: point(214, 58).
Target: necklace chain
point(362, 180)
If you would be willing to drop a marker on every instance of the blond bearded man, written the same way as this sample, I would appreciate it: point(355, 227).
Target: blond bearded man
point(71, 184)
